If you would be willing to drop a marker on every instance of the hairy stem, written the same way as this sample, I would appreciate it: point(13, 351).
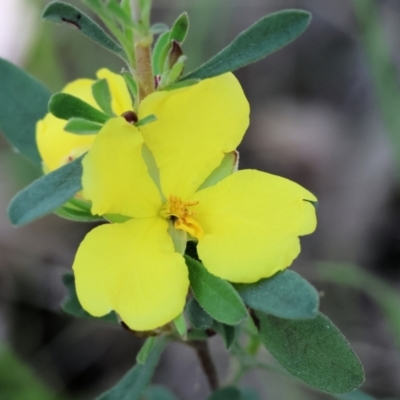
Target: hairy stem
point(143, 40)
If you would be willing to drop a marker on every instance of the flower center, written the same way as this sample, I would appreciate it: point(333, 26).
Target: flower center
point(178, 211)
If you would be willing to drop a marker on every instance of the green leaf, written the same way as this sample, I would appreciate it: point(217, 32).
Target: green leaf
point(356, 395)
point(285, 295)
point(145, 350)
point(66, 106)
point(22, 99)
point(180, 28)
point(130, 82)
point(229, 333)
point(181, 84)
point(71, 304)
point(131, 386)
point(60, 12)
point(146, 120)
point(267, 35)
point(102, 95)
point(73, 214)
point(215, 295)
point(180, 325)
point(226, 393)
point(118, 13)
point(158, 392)
point(198, 318)
point(314, 351)
point(46, 194)
point(82, 126)
point(227, 167)
point(160, 53)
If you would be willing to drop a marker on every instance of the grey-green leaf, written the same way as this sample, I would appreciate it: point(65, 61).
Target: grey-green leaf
point(132, 385)
point(217, 296)
point(82, 126)
point(314, 351)
point(102, 95)
point(198, 318)
point(356, 395)
point(157, 392)
point(46, 194)
point(60, 12)
point(23, 101)
point(145, 350)
point(71, 304)
point(285, 295)
point(266, 36)
point(66, 106)
point(226, 393)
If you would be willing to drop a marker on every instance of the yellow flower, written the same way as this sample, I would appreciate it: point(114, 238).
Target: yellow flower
point(58, 147)
point(247, 225)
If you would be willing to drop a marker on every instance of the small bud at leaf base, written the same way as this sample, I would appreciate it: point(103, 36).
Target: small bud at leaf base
point(174, 54)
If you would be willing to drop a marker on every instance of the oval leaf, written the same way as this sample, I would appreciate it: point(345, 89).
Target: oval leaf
point(66, 106)
point(60, 12)
point(82, 126)
point(22, 98)
point(267, 35)
point(46, 194)
point(285, 295)
point(314, 351)
point(216, 296)
point(71, 304)
point(131, 386)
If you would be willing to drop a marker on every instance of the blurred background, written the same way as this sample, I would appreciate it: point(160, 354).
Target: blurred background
point(325, 113)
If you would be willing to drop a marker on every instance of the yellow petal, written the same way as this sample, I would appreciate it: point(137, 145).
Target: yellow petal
point(251, 222)
point(195, 127)
point(57, 147)
point(132, 268)
point(121, 99)
point(115, 176)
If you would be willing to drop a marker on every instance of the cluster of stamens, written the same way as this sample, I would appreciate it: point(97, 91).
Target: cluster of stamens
point(178, 211)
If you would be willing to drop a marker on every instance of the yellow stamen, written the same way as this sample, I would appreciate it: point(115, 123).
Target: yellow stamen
point(177, 210)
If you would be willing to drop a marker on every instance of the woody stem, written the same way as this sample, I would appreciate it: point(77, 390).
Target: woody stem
point(203, 353)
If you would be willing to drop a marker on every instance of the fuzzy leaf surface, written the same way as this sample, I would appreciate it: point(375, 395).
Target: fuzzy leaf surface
point(198, 318)
point(22, 98)
point(285, 295)
point(46, 194)
point(314, 351)
point(266, 36)
point(216, 296)
point(60, 12)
